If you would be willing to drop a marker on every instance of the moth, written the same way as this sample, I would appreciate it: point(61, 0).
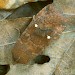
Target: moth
point(45, 27)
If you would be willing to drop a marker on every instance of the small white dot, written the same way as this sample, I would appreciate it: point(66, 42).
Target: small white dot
point(36, 25)
point(48, 37)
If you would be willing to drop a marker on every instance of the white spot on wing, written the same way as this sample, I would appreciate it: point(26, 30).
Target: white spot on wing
point(36, 25)
point(48, 37)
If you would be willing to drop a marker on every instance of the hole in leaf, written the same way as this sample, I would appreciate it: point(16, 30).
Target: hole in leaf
point(41, 59)
point(4, 69)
